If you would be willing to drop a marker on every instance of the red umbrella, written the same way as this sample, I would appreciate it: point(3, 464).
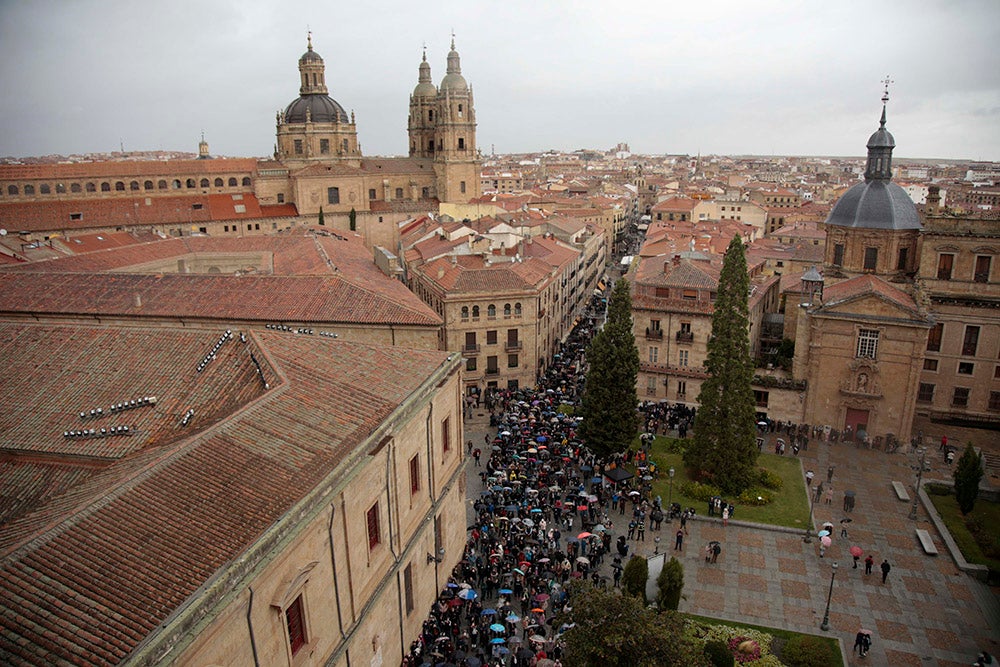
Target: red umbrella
point(584, 534)
point(856, 551)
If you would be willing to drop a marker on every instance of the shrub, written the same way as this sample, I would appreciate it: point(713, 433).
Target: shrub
point(770, 479)
point(806, 651)
point(718, 654)
point(755, 497)
point(937, 489)
point(700, 491)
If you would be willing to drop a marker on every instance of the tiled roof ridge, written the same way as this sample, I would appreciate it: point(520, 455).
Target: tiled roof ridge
point(100, 497)
point(382, 295)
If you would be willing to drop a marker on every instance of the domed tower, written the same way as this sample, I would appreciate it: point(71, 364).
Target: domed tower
point(423, 110)
point(874, 226)
point(314, 126)
point(456, 159)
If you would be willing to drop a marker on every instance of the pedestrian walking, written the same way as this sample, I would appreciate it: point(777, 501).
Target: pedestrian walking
point(708, 553)
point(716, 550)
point(476, 453)
point(725, 516)
point(640, 530)
point(869, 562)
point(885, 569)
point(828, 495)
point(679, 540)
point(829, 474)
point(859, 641)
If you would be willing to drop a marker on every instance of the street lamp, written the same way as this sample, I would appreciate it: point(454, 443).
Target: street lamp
point(670, 496)
point(825, 625)
point(920, 476)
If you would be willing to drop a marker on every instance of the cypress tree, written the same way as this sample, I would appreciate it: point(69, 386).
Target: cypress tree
point(724, 443)
point(968, 473)
point(322, 220)
point(353, 219)
point(609, 402)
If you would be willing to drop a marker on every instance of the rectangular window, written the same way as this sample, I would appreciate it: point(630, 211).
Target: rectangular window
point(983, 265)
point(371, 193)
point(682, 358)
point(966, 368)
point(324, 146)
point(512, 361)
point(682, 387)
point(415, 474)
point(491, 336)
point(654, 325)
point(408, 588)
point(960, 398)
point(399, 193)
point(945, 263)
point(76, 216)
point(298, 147)
point(281, 198)
point(901, 259)
point(654, 354)
point(760, 398)
point(446, 435)
point(867, 343)
point(925, 393)
point(994, 404)
point(934, 337)
point(425, 193)
point(996, 373)
point(651, 385)
point(374, 530)
point(333, 195)
point(930, 364)
point(296, 622)
point(838, 254)
point(461, 143)
point(971, 342)
point(871, 259)
point(690, 294)
point(470, 364)
point(492, 365)
point(461, 187)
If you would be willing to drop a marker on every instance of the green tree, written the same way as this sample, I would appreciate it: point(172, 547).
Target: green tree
point(609, 402)
point(967, 475)
point(634, 577)
point(724, 443)
point(669, 584)
point(614, 630)
point(322, 220)
point(353, 218)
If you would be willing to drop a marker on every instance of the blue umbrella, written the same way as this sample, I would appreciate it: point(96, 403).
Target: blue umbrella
point(823, 533)
point(452, 584)
point(506, 591)
point(541, 438)
point(467, 594)
point(512, 508)
point(489, 612)
point(497, 627)
point(596, 480)
point(536, 510)
point(513, 618)
point(501, 650)
point(586, 468)
point(498, 640)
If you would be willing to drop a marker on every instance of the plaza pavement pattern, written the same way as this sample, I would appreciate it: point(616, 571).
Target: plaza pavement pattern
point(927, 613)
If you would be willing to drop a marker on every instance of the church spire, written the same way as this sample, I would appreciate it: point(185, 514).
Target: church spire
point(880, 145)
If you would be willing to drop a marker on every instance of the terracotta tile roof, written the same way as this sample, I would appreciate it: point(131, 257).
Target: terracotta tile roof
point(91, 571)
point(84, 243)
point(864, 285)
point(676, 204)
point(127, 169)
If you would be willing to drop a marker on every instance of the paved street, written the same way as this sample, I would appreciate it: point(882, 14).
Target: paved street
point(927, 613)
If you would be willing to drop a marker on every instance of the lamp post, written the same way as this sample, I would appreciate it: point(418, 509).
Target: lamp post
point(825, 625)
point(808, 538)
point(920, 476)
point(670, 495)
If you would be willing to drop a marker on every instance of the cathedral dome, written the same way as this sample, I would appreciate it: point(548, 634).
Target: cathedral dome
point(454, 81)
point(425, 88)
point(318, 108)
point(875, 204)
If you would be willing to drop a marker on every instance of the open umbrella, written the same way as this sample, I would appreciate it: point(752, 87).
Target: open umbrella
point(514, 640)
point(528, 522)
point(583, 535)
point(538, 610)
point(498, 627)
point(513, 618)
point(856, 550)
point(467, 594)
point(541, 597)
point(506, 591)
point(536, 510)
point(599, 528)
point(823, 533)
point(488, 612)
point(583, 559)
point(498, 640)
point(825, 541)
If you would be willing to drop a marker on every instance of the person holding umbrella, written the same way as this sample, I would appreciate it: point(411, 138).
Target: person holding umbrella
point(856, 553)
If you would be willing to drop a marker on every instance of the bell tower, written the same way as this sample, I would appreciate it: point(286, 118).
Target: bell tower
point(456, 158)
point(423, 113)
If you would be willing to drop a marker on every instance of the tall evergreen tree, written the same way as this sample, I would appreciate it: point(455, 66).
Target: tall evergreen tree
point(669, 584)
point(967, 475)
point(609, 402)
point(724, 443)
point(322, 218)
point(634, 577)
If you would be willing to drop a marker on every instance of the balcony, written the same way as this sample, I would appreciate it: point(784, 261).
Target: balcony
point(654, 334)
point(685, 337)
point(492, 372)
point(512, 345)
point(471, 349)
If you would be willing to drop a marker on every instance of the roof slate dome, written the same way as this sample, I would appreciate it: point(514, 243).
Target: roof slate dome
point(425, 88)
point(875, 204)
point(453, 80)
point(310, 56)
point(321, 108)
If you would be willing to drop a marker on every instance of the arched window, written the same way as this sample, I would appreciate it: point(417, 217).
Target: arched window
point(491, 311)
point(246, 181)
point(148, 185)
point(176, 184)
point(29, 189)
point(161, 185)
point(232, 183)
point(91, 187)
point(120, 186)
point(60, 189)
point(475, 312)
point(134, 186)
point(44, 189)
point(506, 310)
point(12, 190)
point(465, 312)
point(218, 182)
point(190, 182)
point(74, 187)
point(517, 310)
point(204, 183)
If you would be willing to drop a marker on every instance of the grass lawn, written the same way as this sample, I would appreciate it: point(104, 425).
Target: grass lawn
point(790, 506)
point(981, 546)
point(780, 636)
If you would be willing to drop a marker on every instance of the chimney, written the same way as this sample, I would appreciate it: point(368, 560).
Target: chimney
point(677, 260)
point(138, 300)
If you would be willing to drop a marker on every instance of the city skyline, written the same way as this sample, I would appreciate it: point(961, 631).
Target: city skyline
point(717, 78)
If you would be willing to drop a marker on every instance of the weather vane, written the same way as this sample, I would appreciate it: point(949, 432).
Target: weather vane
point(885, 93)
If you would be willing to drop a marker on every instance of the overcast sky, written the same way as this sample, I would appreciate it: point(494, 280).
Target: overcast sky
point(665, 76)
